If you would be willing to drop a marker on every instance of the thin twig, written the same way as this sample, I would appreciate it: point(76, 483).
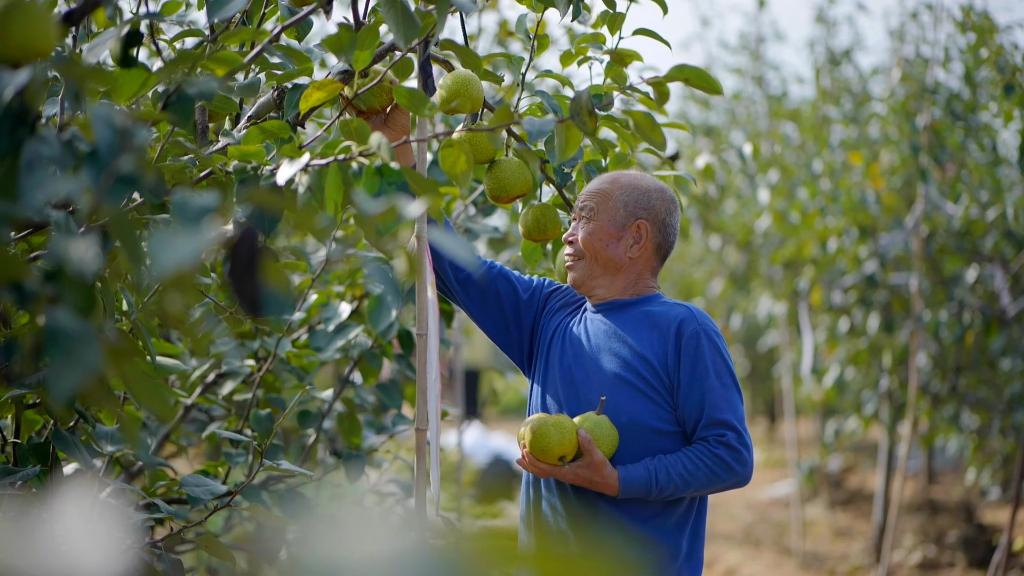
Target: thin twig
point(275, 36)
point(218, 303)
point(163, 143)
point(462, 24)
point(357, 22)
point(339, 389)
point(533, 49)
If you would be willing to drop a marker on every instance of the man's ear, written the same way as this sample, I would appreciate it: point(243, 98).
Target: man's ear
point(639, 238)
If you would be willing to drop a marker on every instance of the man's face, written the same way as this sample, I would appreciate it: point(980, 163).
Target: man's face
point(595, 246)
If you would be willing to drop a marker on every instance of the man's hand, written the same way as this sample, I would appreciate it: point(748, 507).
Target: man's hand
point(592, 471)
point(396, 126)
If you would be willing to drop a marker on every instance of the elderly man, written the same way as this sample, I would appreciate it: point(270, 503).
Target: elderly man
point(662, 364)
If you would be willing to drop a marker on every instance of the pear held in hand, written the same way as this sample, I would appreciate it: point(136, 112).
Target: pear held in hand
point(600, 428)
point(550, 438)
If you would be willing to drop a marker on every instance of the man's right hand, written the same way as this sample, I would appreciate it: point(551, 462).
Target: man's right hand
point(396, 125)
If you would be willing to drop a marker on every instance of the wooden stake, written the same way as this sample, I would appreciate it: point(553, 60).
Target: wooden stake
point(422, 262)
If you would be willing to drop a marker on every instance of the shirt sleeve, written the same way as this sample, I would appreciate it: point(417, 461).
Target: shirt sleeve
point(709, 408)
point(505, 304)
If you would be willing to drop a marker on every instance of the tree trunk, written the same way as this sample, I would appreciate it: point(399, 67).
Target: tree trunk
point(796, 514)
point(883, 468)
point(913, 384)
point(1002, 556)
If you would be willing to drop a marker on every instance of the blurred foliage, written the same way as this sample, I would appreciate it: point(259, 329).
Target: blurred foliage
point(799, 229)
point(205, 292)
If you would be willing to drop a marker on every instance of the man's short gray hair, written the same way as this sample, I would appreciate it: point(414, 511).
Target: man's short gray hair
point(640, 196)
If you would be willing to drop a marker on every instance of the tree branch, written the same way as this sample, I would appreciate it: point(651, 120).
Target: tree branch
point(533, 50)
point(74, 16)
point(275, 36)
point(339, 389)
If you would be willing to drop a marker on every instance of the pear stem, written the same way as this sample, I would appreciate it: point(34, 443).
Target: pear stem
point(600, 407)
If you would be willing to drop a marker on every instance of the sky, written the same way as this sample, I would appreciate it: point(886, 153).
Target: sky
point(697, 28)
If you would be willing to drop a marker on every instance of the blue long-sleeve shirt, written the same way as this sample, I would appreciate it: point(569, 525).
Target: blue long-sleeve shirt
point(671, 391)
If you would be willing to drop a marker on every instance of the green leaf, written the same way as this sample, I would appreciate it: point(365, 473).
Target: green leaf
point(532, 253)
point(502, 115)
point(537, 128)
point(221, 10)
point(413, 100)
point(467, 57)
point(648, 128)
point(318, 93)
point(202, 489)
point(334, 191)
point(350, 428)
point(129, 83)
point(220, 63)
point(676, 126)
point(176, 248)
point(262, 422)
point(269, 131)
point(367, 41)
point(582, 113)
point(11, 475)
point(150, 392)
point(342, 43)
point(560, 78)
point(72, 447)
point(306, 419)
point(73, 352)
point(401, 20)
point(420, 184)
point(663, 5)
point(214, 547)
point(568, 139)
point(694, 77)
point(300, 30)
point(255, 153)
point(456, 159)
point(648, 33)
point(229, 435)
point(615, 22)
point(286, 466)
point(171, 7)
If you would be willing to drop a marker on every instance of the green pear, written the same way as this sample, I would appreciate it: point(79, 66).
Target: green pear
point(600, 428)
point(550, 438)
point(540, 223)
point(522, 428)
point(507, 180)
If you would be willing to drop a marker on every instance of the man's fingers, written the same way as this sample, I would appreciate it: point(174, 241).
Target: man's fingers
point(587, 445)
point(540, 468)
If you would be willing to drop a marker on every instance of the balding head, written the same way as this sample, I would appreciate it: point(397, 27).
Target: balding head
point(640, 196)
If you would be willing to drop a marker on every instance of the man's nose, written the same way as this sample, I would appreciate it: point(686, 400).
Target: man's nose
point(570, 235)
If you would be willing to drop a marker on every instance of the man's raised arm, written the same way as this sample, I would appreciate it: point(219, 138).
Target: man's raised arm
point(505, 304)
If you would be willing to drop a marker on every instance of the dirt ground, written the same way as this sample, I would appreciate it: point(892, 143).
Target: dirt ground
point(749, 529)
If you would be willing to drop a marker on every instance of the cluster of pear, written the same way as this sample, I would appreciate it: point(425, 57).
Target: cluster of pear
point(507, 178)
point(553, 438)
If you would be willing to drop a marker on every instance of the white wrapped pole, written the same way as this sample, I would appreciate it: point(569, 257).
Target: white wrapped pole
point(428, 373)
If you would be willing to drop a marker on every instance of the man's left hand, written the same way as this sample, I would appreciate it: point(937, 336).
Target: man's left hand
point(592, 471)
